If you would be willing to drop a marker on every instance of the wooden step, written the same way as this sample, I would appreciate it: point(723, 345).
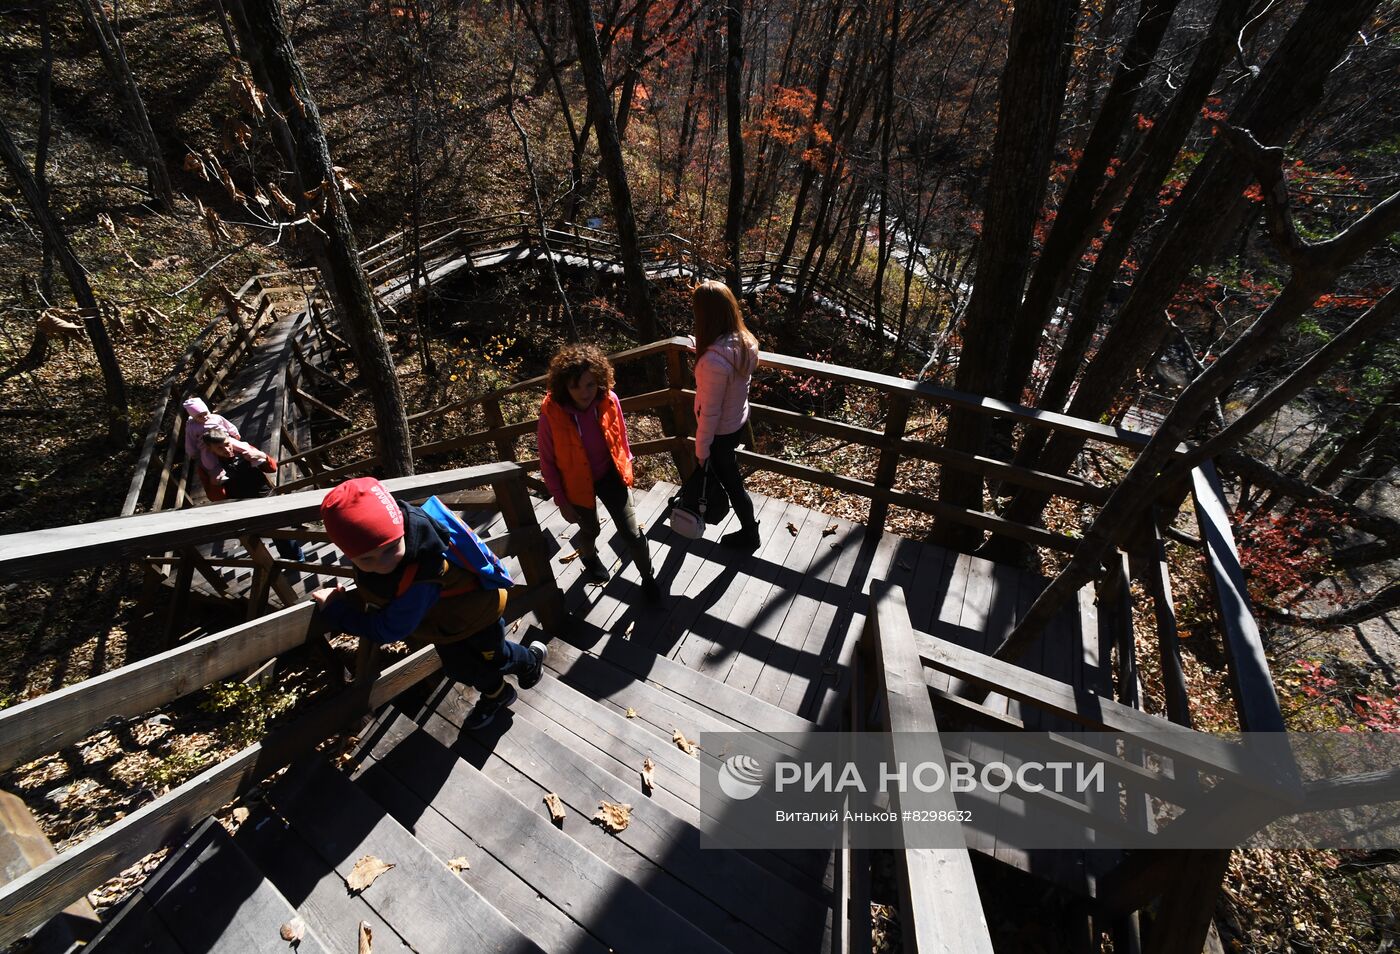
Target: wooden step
point(726, 703)
point(308, 881)
point(617, 910)
point(618, 745)
point(709, 887)
point(426, 905)
point(207, 897)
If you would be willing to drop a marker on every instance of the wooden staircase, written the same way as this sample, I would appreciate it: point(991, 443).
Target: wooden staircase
point(420, 793)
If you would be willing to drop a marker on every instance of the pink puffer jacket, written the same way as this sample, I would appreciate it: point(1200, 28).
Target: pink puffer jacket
point(722, 376)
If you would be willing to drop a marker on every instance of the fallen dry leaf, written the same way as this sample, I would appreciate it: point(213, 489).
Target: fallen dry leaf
point(240, 815)
point(792, 528)
point(366, 938)
point(830, 530)
point(293, 931)
point(631, 713)
point(459, 864)
point(682, 743)
point(627, 633)
point(569, 557)
point(648, 777)
point(556, 808)
point(365, 871)
point(613, 817)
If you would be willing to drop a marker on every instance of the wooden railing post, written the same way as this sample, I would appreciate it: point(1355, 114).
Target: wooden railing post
point(1168, 642)
point(491, 413)
point(514, 502)
point(888, 466)
point(679, 422)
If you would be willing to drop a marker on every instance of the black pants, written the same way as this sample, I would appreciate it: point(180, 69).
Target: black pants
point(725, 464)
point(483, 658)
point(612, 493)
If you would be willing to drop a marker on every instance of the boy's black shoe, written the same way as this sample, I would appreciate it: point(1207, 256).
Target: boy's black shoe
point(531, 677)
point(745, 538)
point(594, 571)
point(651, 592)
point(486, 708)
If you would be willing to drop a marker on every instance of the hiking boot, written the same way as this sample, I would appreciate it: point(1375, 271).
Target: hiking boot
point(484, 712)
point(745, 538)
point(594, 571)
point(651, 592)
point(531, 677)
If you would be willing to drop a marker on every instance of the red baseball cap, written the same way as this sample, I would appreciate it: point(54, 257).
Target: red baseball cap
point(360, 515)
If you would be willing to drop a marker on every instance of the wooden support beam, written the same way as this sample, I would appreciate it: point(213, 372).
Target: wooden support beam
point(681, 422)
point(24, 847)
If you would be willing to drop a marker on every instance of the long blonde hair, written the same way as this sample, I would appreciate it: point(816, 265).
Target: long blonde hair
point(717, 314)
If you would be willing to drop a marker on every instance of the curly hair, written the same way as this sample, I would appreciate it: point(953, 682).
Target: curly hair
point(569, 364)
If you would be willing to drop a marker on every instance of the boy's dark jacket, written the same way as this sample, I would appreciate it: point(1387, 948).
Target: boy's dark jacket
point(456, 604)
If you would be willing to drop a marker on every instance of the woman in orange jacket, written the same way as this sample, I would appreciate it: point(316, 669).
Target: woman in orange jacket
point(585, 457)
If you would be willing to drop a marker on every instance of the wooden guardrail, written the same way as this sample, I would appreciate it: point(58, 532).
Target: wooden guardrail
point(940, 906)
point(48, 723)
point(893, 445)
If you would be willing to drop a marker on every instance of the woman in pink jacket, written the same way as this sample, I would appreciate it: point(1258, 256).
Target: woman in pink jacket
point(726, 356)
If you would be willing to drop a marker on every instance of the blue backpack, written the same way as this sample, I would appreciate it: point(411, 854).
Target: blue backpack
point(465, 548)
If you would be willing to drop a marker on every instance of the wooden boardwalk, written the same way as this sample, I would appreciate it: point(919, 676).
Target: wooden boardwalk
point(780, 625)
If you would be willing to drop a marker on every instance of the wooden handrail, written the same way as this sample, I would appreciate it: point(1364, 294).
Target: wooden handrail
point(38, 552)
point(1256, 700)
point(941, 908)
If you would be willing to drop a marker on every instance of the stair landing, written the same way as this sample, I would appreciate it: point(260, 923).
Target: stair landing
point(781, 625)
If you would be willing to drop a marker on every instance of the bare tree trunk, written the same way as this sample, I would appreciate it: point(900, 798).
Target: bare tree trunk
point(1076, 221)
point(734, 110)
point(118, 426)
point(1315, 269)
point(610, 156)
point(886, 141)
point(1290, 85)
point(264, 37)
point(109, 46)
point(1032, 94)
point(1349, 454)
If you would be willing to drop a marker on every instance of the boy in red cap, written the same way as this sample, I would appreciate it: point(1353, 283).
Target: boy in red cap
point(407, 589)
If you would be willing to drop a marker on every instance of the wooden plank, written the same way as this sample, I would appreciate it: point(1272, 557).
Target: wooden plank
point(135, 928)
point(941, 909)
point(896, 417)
point(780, 632)
point(52, 721)
point(32, 899)
point(623, 887)
point(730, 633)
point(1255, 698)
point(804, 635)
point(554, 930)
point(213, 899)
point(57, 549)
point(434, 911)
point(616, 746)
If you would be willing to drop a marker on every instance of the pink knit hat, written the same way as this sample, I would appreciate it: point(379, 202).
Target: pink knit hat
point(360, 516)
